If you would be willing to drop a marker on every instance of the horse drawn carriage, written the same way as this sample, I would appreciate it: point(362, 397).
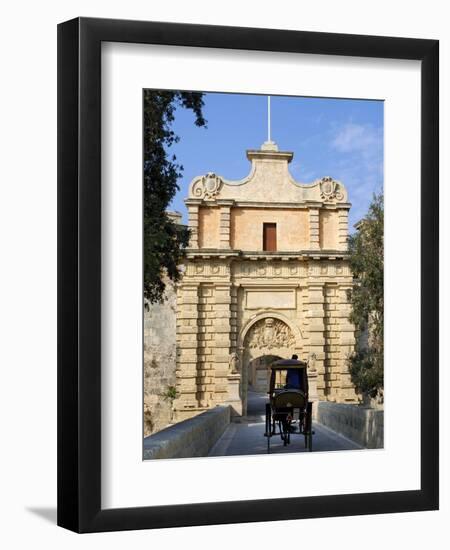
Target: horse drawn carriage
point(289, 412)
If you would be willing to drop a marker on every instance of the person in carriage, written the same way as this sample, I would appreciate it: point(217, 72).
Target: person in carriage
point(294, 380)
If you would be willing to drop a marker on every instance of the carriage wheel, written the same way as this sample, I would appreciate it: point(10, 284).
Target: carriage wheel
point(284, 431)
point(308, 424)
point(268, 433)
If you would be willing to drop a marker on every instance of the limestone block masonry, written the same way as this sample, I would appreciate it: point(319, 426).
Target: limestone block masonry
point(192, 437)
point(159, 360)
point(240, 299)
point(362, 425)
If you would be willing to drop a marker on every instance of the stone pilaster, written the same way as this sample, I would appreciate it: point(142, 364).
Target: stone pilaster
point(224, 223)
point(193, 207)
point(233, 318)
point(187, 349)
point(205, 361)
point(342, 236)
point(314, 237)
point(346, 392)
point(222, 342)
point(316, 332)
point(332, 347)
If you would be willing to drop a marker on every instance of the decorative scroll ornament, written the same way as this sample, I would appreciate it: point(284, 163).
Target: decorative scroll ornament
point(209, 186)
point(270, 333)
point(330, 189)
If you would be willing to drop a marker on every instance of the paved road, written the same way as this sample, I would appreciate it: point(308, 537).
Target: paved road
point(246, 436)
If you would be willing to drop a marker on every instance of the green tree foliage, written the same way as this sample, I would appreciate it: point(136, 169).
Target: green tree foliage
point(366, 249)
point(164, 241)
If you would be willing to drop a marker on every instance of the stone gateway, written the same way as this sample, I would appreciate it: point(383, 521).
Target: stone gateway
point(266, 276)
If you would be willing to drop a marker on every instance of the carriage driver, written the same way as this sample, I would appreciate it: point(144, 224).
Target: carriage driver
point(293, 378)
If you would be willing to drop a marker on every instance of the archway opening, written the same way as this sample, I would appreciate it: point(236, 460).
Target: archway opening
point(259, 373)
point(269, 338)
point(258, 379)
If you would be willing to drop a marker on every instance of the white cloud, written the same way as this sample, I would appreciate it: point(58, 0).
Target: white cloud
point(360, 163)
point(358, 137)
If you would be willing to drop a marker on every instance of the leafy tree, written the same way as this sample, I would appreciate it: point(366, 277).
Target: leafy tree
point(366, 249)
point(164, 240)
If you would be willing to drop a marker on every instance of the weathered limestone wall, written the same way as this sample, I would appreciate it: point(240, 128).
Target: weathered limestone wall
point(363, 425)
point(292, 228)
point(328, 229)
point(339, 341)
point(159, 361)
point(189, 438)
point(256, 308)
point(204, 335)
point(208, 220)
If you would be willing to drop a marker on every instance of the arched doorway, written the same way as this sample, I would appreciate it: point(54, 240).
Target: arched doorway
point(258, 373)
point(265, 339)
point(258, 378)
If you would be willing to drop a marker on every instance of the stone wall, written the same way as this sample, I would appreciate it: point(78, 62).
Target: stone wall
point(292, 233)
point(159, 361)
point(360, 424)
point(189, 438)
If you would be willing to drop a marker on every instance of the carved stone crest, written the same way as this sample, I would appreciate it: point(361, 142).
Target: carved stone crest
point(209, 186)
point(270, 333)
point(312, 362)
point(330, 189)
point(234, 363)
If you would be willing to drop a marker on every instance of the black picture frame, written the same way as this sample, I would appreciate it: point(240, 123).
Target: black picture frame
point(79, 274)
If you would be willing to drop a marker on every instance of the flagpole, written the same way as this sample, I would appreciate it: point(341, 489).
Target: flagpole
point(268, 118)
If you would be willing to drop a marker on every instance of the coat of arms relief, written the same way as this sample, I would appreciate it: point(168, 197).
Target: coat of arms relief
point(330, 189)
point(270, 333)
point(208, 186)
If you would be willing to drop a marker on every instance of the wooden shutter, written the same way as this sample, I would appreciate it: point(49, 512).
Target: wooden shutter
point(270, 237)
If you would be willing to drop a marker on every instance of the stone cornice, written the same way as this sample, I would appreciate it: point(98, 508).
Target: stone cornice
point(204, 253)
point(258, 154)
point(263, 205)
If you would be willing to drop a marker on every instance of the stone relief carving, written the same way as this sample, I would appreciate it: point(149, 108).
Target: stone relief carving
point(312, 362)
point(208, 186)
point(234, 363)
point(270, 333)
point(330, 189)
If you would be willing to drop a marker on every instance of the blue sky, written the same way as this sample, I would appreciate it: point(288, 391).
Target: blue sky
point(342, 138)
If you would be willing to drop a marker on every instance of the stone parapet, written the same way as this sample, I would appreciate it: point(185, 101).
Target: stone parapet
point(362, 425)
point(189, 438)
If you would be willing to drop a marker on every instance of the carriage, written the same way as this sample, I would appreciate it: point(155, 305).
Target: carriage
point(289, 412)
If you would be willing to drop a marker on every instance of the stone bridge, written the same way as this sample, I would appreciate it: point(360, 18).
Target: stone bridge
point(216, 433)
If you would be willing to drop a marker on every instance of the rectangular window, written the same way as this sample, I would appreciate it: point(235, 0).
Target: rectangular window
point(270, 237)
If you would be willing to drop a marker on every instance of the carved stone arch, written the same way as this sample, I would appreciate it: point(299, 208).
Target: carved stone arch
point(270, 315)
point(267, 333)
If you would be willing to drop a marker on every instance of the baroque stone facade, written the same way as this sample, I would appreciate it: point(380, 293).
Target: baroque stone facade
point(240, 301)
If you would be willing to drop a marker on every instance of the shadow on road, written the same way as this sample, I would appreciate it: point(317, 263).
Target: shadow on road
point(245, 436)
